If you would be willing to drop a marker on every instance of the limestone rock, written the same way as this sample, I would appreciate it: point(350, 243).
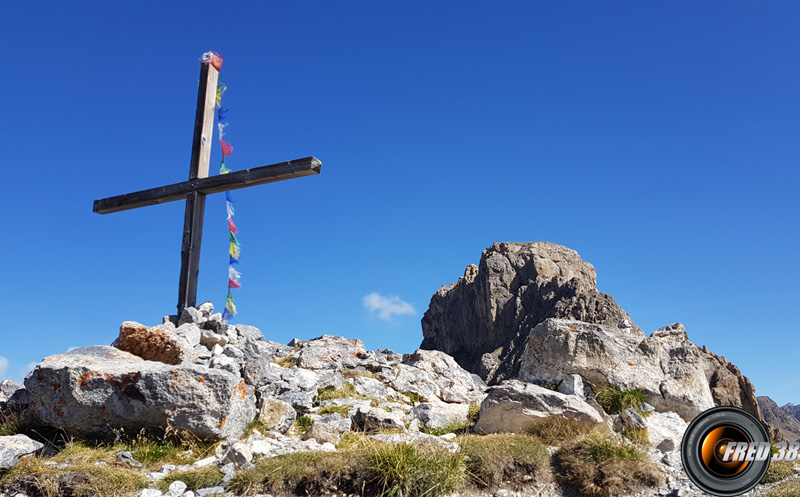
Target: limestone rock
point(239, 454)
point(248, 333)
point(15, 447)
point(433, 376)
point(492, 308)
point(415, 437)
point(272, 380)
point(440, 414)
point(328, 429)
point(93, 389)
point(331, 352)
point(453, 382)
point(631, 420)
point(728, 386)
point(7, 389)
point(513, 406)
point(372, 419)
point(371, 387)
point(258, 367)
point(673, 372)
point(158, 343)
point(665, 430)
point(15, 397)
point(276, 415)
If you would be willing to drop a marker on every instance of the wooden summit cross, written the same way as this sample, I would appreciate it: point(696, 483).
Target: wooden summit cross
point(200, 184)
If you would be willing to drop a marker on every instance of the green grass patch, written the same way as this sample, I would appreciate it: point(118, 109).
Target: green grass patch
point(331, 408)
point(600, 467)
point(493, 459)
point(254, 425)
point(473, 413)
point(555, 430)
point(195, 479)
point(170, 446)
point(407, 470)
point(457, 427)
point(615, 400)
point(638, 436)
point(778, 470)
point(413, 397)
point(303, 423)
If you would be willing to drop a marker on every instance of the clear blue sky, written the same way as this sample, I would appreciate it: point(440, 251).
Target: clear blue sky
point(659, 140)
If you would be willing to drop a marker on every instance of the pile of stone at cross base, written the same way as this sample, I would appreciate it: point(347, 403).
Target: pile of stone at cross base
point(524, 335)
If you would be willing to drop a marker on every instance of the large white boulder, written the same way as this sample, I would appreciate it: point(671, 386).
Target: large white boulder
point(94, 389)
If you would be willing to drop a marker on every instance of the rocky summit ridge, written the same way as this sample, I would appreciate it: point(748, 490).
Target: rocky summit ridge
point(522, 337)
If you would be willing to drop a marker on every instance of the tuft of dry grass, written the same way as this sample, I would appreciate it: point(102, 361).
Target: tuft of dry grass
point(348, 391)
point(331, 408)
point(303, 473)
point(195, 479)
point(492, 459)
point(600, 467)
point(285, 362)
point(555, 430)
point(81, 479)
point(639, 436)
point(406, 470)
point(353, 373)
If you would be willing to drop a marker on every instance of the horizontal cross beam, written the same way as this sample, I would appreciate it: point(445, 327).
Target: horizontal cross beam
point(214, 184)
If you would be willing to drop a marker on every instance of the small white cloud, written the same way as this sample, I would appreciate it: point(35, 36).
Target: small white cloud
point(3, 366)
point(386, 307)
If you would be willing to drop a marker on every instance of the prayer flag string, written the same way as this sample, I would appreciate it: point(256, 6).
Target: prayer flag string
point(235, 248)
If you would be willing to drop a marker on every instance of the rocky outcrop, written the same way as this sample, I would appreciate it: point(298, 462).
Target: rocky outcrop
point(675, 374)
point(780, 418)
point(531, 310)
point(93, 389)
point(483, 319)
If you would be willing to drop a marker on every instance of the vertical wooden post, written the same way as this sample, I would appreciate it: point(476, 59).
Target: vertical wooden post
point(196, 201)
